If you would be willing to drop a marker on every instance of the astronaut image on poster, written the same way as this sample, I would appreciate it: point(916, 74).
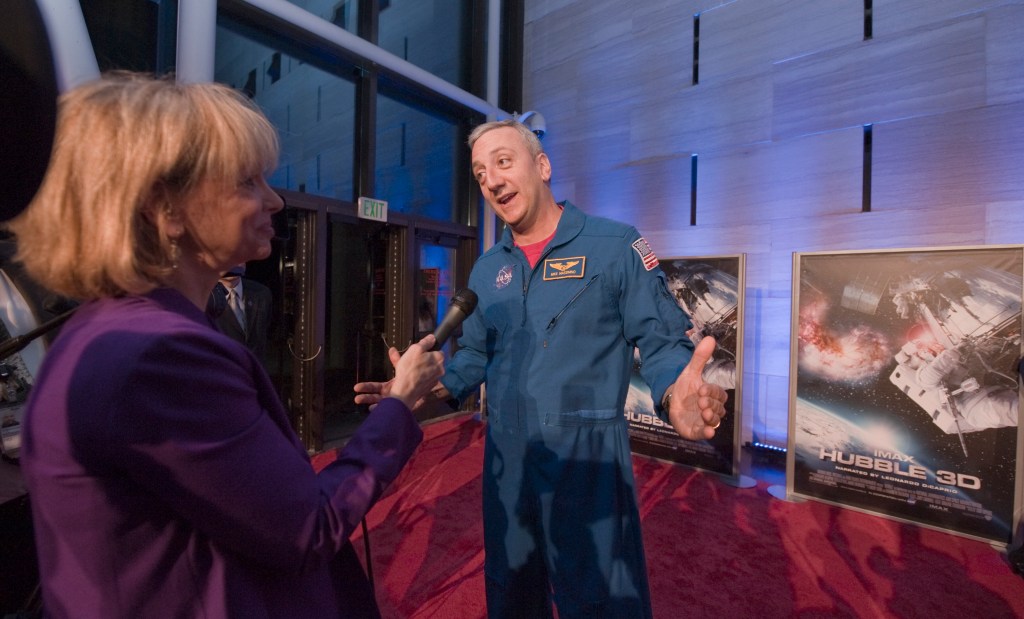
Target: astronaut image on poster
point(708, 289)
point(907, 393)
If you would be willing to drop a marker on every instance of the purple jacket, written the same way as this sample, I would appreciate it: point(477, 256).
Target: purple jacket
point(165, 480)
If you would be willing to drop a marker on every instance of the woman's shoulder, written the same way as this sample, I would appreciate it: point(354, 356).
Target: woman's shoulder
point(129, 341)
point(135, 322)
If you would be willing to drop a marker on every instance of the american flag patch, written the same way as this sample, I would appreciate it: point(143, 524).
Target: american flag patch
point(646, 253)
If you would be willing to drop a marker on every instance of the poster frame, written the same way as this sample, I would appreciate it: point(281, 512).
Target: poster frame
point(1015, 253)
point(730, 472)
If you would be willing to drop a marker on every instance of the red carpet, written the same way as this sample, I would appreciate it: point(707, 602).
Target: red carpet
point(712, 549)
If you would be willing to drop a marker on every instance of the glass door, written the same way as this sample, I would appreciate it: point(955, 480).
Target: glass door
point(345, 290)
point(435, 281)
point(356, 340)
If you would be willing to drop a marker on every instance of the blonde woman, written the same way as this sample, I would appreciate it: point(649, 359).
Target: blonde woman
point(164, 477)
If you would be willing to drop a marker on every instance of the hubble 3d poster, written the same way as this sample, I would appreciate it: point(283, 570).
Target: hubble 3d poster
point(904, 384)
point(710, 291)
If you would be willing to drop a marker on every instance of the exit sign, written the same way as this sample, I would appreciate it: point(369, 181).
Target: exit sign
point(373, 209)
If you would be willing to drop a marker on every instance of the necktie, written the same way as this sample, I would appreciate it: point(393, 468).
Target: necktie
point(235, 303)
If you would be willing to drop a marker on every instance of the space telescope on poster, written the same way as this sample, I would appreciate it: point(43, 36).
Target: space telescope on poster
point(710, 290)
point(904, 389)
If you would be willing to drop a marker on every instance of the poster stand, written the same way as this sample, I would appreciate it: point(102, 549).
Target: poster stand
point(710, 289)
point(740, 481)
point(904, 385)
point(778, 491)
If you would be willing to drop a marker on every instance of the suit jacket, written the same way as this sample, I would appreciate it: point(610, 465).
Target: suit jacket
point(35, 308)
point(169, 441)
point(44, 304)
point(257, 301)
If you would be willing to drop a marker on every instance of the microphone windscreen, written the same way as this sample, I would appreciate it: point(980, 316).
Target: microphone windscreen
point(461, 306)
point(465, 300)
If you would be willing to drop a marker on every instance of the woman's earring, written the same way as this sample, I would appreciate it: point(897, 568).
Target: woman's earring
point(170, 223)
point(175, 254)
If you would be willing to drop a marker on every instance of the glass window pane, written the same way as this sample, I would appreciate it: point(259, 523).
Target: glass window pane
point(341, 13)
point(415, 162)
point(312, 109)
point(135, 35)
point(431, 34)
point(434, 279)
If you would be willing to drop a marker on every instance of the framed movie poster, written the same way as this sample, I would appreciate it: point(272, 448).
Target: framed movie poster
point(710, 290)
point(904, 388)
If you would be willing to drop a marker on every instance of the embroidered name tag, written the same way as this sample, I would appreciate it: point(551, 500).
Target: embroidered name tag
point(564, 268)
point(646, 253)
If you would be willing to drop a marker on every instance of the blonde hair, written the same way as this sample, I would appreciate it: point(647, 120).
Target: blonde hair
point(125, 144)
point(532, 141)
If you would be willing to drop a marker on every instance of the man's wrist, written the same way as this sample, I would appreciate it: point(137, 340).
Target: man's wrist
point(442, 395)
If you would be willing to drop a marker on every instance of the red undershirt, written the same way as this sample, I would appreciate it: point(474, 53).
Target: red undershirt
point(534, 250)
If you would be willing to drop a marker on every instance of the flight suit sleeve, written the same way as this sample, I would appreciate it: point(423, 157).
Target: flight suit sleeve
point(652, 319)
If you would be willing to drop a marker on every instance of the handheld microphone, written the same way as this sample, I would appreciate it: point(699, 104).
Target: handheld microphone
point(461, 306)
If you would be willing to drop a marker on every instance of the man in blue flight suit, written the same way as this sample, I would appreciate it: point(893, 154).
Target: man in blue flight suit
point(563, 301)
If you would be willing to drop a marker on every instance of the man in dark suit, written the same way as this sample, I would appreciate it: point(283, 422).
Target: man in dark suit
point(24, 306)
point(42, 304)
point(247, 310)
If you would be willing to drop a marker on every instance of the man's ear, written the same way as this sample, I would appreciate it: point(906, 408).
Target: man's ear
point(544, 166)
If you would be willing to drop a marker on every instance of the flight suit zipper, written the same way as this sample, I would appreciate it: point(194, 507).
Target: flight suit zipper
point(551, 325)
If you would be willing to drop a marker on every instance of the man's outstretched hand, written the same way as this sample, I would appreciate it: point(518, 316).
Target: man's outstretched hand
point(696, 408)
point(417, 372)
